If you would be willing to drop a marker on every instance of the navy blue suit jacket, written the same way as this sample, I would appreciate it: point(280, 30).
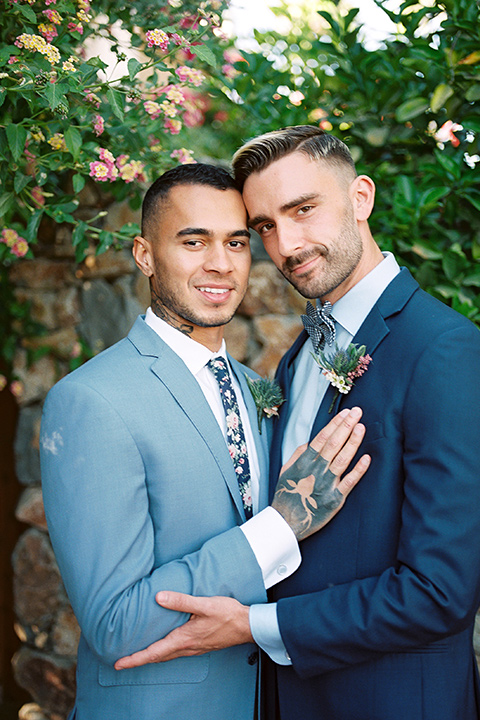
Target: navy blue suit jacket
point(378, 619)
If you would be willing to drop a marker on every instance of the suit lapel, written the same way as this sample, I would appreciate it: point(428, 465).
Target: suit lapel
point(260, 440)
point(173, 374)
point(371, 333)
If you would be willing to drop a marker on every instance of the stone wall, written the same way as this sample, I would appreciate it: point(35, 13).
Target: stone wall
point(95, 304)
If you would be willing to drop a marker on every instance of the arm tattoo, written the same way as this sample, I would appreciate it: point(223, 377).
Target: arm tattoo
point(305, 494)
point(164, 314)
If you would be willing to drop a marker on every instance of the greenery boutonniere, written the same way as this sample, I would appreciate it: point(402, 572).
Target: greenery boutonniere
point(267, 395)
point(343, 367)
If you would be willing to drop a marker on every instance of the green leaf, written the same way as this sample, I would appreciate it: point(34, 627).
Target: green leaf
point(6, 201)
point(440, 96)
point(105, 241)
point(204, 53)
point(33, 224)
point(134, 67)
point(411, 109)
point(20, 181)
point(407, 188)
point(473, 279)
point(117, 102)
point(78, 233)
point(475, 201)
point(16, 136)
point(78, 182)
point(27, 13)
point(473, 93)
point(429, 198)
point(55, 94)
point(377, 137)
point(73, 140)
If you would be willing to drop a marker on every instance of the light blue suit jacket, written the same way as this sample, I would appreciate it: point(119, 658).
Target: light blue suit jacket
point(141, 495)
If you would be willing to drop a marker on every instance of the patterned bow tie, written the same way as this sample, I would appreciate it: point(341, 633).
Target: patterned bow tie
point(319, 325)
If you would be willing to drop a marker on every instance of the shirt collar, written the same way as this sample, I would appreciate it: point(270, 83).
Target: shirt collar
point(352, 309)
point(194, 354)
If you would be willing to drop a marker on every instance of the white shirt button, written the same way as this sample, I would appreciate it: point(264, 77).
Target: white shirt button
point(282, 569)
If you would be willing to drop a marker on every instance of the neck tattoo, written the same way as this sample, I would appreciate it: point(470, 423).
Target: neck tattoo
point(164, 314)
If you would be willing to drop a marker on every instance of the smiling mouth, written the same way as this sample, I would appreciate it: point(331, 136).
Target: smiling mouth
point(215, 294)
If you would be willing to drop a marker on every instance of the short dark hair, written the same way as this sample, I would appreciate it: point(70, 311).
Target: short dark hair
point(260, 152)
point(189, 174)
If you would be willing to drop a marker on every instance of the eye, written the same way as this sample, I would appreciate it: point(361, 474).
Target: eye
point(262, 229)
point(304, 209)
point(193, 243)
point(237, 244)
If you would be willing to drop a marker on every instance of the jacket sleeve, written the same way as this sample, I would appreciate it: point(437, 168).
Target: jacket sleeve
point(432, 591)
point(99, 518)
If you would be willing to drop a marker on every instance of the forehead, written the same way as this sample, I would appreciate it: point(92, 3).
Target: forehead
point(292, 176)
point(202, 206)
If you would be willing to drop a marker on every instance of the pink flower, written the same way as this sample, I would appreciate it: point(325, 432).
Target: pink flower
point(20, 248)
point(99, 171)
point(9, 236)
point(183, 156)
point(173, 125)
point(447, 133)
point(12, 59)
point(38, 196)
point(16, 388)
point(157, 38)
point(98, 125)
point(75, 27)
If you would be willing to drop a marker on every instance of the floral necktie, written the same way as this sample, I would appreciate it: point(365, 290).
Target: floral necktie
point(319, 325)
point(236, 442)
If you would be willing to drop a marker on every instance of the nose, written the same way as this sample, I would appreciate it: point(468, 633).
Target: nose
point(289, 238)
point(218, 259)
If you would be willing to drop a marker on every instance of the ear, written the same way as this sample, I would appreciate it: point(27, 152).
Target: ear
point(142, 252)
point(362, 193)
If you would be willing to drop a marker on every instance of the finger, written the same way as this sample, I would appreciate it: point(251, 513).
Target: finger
point(326, 432)
point(153, 654)
point(347, 452)
point(181, 602)
point(339, 436)
point(347, 483)
point(299, 451)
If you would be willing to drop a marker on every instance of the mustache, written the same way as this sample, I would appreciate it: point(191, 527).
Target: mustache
point(294, 261)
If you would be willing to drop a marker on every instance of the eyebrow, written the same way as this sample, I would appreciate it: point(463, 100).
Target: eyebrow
point(307, 197)
point(208, 233)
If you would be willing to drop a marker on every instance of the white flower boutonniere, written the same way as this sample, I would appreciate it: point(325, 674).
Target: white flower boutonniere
point(343, 367)
point(267, 395)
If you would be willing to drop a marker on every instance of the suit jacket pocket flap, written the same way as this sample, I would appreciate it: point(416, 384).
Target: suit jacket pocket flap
point(180, 671)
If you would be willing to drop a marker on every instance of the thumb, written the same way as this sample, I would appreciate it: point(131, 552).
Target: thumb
point(176, 601)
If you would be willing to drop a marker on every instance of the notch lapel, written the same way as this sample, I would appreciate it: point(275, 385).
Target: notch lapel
point(371, 333)
point(182, 385)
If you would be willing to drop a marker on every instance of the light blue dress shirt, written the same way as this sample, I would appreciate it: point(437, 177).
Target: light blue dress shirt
point(308, 388)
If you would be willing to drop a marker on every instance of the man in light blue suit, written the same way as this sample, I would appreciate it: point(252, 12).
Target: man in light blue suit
point(140, 469)
point(377, 622)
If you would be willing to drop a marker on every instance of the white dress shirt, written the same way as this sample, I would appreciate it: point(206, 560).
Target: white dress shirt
point(308, 388)
point(270, 537)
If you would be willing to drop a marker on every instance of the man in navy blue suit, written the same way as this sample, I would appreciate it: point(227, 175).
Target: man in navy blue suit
point(377, 622)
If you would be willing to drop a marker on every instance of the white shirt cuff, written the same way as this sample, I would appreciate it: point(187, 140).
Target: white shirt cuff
point(266, 633)
point(274, 545)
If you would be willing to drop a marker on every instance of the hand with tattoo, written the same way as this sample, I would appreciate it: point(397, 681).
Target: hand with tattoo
point(310, 490)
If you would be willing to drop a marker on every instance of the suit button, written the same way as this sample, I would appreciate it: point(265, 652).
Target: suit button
point(253, 658)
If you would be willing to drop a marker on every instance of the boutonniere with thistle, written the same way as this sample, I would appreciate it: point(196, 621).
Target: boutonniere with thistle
point(343, 367)
point(267, 395)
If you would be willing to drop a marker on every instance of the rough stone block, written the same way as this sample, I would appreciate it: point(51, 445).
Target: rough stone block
point(27, 457)
point(50, 681)
point(30, 508)
point(275, 334)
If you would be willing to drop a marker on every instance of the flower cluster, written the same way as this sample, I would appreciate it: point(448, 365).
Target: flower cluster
point(109, 168)
point(157, 38)
point(342, 367)
point(38, 43)
point(191, 75)
point(184, 156)
point(57, 141)
point(18, 245)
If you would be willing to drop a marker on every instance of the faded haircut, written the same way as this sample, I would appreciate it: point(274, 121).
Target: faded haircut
point(260, 152)
point(190, 174)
